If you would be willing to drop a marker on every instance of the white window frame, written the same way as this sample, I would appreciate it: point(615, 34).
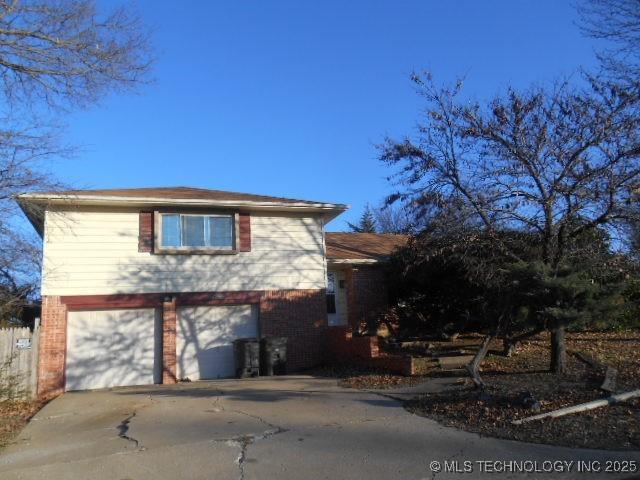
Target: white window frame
point(159, 248)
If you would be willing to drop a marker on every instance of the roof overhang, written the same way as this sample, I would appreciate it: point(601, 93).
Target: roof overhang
point(34, 205)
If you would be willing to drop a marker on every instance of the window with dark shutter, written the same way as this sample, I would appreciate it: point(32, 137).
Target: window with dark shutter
point(196, 233)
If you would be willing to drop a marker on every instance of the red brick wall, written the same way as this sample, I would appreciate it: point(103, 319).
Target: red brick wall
point(367, 296)
point(169, 324)
point(342, 347)
point(299, 315)
point(52, 347)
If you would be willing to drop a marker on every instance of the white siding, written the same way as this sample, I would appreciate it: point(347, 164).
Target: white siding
point(95, 251)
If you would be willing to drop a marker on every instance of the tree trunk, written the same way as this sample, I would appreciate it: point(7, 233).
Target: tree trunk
point(474, 366)
point(558, 350)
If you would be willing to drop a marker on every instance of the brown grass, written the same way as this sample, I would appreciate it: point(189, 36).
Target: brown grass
point(616, 427)
point(14, 415)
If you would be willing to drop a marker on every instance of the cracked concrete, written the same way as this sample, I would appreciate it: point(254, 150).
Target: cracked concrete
point(244, 441)
point(279, 427)
point(123, 428)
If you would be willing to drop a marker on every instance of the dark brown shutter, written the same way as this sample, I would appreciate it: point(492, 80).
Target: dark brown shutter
point(145, 235)
point(244, 229)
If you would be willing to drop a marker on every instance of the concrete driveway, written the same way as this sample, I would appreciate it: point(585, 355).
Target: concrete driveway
point(267, 428)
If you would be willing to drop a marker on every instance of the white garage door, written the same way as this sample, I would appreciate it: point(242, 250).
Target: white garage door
point(205, 336)
point(112, 348)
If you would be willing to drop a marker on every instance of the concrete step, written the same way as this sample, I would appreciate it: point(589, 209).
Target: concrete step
point(454, 362)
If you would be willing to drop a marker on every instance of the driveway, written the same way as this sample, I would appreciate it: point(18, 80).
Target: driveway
point(267, 428)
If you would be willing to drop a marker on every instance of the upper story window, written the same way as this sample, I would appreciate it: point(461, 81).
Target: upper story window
point(186, 232)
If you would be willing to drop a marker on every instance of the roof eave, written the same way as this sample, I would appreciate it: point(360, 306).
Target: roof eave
point(34, 213)
point(329, 210)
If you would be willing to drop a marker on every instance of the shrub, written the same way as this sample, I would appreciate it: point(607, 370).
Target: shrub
point(11, 386)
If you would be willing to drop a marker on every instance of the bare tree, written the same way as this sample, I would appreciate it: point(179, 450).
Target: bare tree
point(67, 53)
point(54, 56)
point(394, 219)
point(617, 24)
point(20, 258)
point(553, 163)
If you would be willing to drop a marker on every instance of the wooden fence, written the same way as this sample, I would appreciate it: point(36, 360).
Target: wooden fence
point(19, 361)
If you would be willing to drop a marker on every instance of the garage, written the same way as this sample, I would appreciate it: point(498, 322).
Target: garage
point(205, 339)
point(113, 348)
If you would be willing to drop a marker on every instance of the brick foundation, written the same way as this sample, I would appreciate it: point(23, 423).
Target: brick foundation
point(343, 347)
point(299, 315)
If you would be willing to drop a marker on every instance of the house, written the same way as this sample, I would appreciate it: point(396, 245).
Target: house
point(356, 286)
point(152, 285)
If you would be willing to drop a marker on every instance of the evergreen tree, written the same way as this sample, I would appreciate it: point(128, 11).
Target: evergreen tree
point(570, 296)
point(367, 222)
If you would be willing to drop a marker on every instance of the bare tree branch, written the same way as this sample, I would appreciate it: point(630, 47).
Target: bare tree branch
point(54, 56)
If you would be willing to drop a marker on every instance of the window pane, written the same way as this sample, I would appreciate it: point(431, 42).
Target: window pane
point(221, 232)
point(331, 303)
point(192, 231)
point(170, 230)
point(331, 282)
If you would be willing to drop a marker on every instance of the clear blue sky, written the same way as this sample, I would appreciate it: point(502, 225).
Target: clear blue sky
point(290, 97)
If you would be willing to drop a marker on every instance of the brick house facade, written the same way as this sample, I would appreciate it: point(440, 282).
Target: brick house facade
point(141, 309)
point(357, 261)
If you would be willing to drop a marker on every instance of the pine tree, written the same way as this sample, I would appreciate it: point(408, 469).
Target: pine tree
point(367, 222)
point(572, 296)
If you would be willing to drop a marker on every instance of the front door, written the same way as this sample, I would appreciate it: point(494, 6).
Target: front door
point(336, 299)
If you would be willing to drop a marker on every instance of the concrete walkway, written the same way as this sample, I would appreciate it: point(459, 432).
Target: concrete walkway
point(275, 428)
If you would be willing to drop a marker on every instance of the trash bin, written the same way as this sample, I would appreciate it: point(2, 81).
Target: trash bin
point(273, 356)
point(246, 353)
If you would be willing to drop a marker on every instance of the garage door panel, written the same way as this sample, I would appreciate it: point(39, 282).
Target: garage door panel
point(109, 348)
point(205, 339)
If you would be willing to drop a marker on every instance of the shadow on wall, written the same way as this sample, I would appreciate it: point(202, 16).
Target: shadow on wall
point(100, 255)
point(107, 348)
point(205, 336)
